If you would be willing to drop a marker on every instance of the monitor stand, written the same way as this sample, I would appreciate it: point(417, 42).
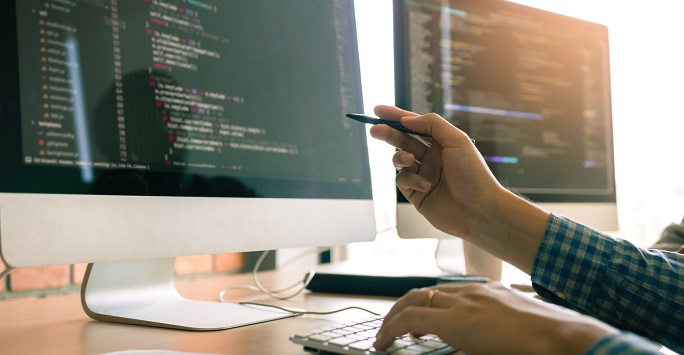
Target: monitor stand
point(143, 292)
point(449, 256)
point(456, 256)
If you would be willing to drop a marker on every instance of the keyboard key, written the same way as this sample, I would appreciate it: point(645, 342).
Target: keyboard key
point(406, 342)
point(330, 335)
point(369, 333)
point(342, 331)
point(319, 337)
point(435, 344)
point(357, 337)
point(405, 351)
point(419, 348)
point(361, 345)
point(304, 334)
point(342, 341)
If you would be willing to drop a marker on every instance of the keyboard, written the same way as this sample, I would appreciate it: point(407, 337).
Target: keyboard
point(357, 338)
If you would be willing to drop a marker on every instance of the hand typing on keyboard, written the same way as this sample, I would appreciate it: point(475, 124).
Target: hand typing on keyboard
point(357, 338)
point(489, 319)
point(474, 318)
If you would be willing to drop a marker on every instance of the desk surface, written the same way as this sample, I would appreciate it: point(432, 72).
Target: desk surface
point(58, 324)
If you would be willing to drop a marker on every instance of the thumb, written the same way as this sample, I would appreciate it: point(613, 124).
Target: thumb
point(446, 134)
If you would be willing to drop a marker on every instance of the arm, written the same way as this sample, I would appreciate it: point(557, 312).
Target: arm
point(456, 192)
point(631, 288)
point(453, 188)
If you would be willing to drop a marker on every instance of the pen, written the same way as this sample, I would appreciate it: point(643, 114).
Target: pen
point(394, 124)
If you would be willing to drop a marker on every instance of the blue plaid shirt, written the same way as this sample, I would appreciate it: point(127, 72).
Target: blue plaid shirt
point(636, 290)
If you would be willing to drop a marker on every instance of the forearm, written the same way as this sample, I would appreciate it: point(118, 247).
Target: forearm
point(511, 229)
point(631, 288)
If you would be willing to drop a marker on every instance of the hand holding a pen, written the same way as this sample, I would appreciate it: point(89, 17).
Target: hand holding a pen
point(451, 183)
point(454, 189)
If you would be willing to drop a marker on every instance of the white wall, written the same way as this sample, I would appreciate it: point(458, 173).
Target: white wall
point(647, 59)
point(647, 68)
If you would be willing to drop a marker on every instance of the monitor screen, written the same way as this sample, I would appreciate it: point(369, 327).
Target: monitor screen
point(531, 87)
point(151, 98)
point(153, 129)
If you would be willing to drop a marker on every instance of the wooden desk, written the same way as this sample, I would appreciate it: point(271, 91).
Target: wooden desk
point(58, 324)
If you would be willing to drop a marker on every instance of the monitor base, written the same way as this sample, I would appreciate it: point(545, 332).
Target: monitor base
point(143, 292)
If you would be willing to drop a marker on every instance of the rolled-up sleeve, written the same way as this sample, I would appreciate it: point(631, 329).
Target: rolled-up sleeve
point(637, 290)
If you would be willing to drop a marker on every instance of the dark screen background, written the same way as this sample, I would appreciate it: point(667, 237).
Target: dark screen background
point(531, 87)
point(245, 98)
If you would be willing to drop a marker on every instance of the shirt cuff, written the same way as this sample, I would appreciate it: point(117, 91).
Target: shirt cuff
point(571, 263)
point(625, 343)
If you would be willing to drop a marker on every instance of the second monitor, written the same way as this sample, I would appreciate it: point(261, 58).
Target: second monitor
point(530, 86)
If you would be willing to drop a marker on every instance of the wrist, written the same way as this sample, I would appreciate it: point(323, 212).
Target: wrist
point(571, 337)
point(510, 228)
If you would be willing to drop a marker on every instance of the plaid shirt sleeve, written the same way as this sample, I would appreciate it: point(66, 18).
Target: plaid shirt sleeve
point(637, 290)
point(624, 343)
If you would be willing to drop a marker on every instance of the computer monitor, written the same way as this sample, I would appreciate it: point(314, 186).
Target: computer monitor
point(531, 87)
point(133, 132)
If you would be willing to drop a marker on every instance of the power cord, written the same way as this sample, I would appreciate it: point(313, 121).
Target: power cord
point(294, 311)
point(258, 287)
point(277, 294)
point(8, 270)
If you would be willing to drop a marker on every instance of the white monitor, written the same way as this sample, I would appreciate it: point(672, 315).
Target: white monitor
point(531, 87)
point(133, 132)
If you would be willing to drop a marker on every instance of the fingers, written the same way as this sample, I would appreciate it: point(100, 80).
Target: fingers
point(440, 129)
point(414, 298)
point(398, 140)
point(418, 312)
point(470, 286)
point(408, 179)
point(404, 160)
point(412, 320)
point(442, 299)
point(407, 182)
point(424, 312)
point(391, 112)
